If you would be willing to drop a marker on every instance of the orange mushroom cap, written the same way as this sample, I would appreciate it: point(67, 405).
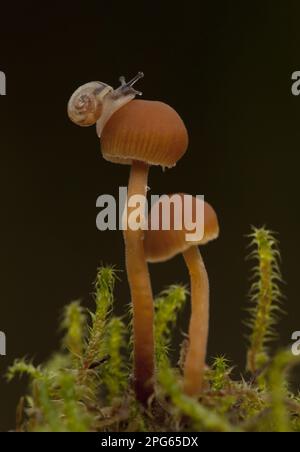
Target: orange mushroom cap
point(147, 131)
point(162, 245)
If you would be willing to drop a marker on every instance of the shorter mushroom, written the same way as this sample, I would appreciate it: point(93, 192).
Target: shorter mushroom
point(162, 244)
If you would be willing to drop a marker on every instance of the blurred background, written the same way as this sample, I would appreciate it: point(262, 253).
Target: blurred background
point(226, 68)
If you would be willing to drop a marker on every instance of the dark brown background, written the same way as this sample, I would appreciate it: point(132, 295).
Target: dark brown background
point(226, 68)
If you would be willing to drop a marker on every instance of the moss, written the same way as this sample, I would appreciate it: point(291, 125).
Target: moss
point(87, 385)
point(74, 324)
point(265, 296)
point(167, 306)
point(115, 372)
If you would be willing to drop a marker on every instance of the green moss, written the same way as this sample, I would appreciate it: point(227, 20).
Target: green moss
point(220, 373)
point(200, 417)
point(265, 296)
point(104, 287)
point(74, 324)
point(167, 306)
point(87, 385)
point(115, 373)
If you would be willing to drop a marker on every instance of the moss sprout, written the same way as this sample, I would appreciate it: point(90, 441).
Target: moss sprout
point(74, 324)
point(167, 306)
point(115, 373)
point(265, 296)
point(104, 287)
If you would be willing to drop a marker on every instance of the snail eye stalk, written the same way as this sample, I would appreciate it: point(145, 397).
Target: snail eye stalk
point(127, 87)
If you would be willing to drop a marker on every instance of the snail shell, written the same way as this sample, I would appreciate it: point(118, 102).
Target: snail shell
point(86, 104)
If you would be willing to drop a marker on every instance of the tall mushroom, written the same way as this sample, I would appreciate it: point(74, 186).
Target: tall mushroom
point(140, 134)
point(161, 245)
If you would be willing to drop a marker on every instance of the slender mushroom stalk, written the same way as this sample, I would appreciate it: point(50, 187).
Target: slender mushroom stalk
point(141, 291)
point(199, 322)
point(163, 244)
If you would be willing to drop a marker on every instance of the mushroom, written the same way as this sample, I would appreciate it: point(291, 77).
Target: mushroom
point(162, 245)
point(140, 134)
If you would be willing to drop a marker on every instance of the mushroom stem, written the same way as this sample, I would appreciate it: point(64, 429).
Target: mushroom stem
point(141, 292)
point(198, 328)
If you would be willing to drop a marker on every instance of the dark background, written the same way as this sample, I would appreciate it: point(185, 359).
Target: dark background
point(226, 68)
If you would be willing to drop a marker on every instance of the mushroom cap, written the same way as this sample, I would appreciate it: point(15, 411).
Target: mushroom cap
point(147, 131)
point(162, 245)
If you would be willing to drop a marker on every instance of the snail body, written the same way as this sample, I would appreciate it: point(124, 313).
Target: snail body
point(95, 102)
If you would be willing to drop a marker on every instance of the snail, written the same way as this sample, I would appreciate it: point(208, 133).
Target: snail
point(95, 102)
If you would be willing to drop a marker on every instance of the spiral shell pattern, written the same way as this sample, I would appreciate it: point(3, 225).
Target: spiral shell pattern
point(86, 104)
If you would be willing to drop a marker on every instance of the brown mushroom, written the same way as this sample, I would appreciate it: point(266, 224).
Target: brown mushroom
point(161, 245)
point(140, 134)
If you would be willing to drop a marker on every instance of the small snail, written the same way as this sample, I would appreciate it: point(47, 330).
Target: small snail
point(95, 102)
